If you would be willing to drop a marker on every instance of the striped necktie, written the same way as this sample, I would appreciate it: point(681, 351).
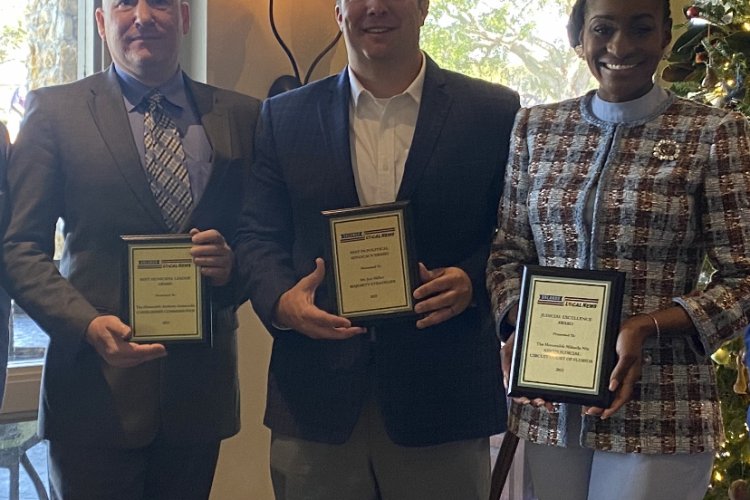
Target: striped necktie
point(165, 163)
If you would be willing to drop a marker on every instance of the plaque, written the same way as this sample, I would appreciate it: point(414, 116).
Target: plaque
point(167, 300)
point(372, 270)
point(568, 323)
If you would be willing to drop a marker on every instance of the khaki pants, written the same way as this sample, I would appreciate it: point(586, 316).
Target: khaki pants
point(370, 466)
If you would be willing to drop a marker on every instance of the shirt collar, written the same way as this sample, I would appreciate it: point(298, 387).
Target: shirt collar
point(629, 111)
point(414, 90)
point(134, 91)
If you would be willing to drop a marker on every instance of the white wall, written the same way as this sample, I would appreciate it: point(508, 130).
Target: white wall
point(232, 46)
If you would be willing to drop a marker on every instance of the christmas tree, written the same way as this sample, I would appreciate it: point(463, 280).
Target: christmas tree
point(732, 462)
point(709, 63)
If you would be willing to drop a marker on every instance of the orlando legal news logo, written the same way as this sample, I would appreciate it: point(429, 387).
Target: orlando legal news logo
point(163, 263)
point(386, 232)
point(566, 301)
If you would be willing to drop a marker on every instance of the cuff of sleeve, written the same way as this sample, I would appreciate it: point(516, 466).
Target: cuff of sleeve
point(697, 342)
point(505, 329)
point(280, 328)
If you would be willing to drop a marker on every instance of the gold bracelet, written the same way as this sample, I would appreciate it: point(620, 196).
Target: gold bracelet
point(656, 324)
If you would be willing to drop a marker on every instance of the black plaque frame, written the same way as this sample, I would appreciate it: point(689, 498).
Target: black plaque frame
point(408, 266)
point(204, 324)
point(608, 285)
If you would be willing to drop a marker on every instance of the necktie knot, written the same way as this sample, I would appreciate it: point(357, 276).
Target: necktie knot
point(154, 100)
point(155, 108)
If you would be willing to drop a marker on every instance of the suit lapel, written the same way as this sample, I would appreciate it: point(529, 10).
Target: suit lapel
point(433, 111)
point(333, 113)
point(109, 114)
point(216, 123)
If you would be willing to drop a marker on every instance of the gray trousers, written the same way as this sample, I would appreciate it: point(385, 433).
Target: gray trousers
point(370, 466)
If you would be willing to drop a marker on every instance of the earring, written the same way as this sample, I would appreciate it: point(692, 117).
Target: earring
point(578, 49)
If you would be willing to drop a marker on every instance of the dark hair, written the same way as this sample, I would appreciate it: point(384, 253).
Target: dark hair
point(578, 15)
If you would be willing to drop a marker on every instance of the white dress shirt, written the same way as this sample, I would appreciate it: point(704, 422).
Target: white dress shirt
point(380, 136)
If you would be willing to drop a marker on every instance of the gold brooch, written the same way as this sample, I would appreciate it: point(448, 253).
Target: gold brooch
point(666, 149)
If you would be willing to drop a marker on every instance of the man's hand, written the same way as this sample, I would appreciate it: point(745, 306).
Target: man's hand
point(296, 309)
point(109, 336)
point(446, 292)
point(211, 252)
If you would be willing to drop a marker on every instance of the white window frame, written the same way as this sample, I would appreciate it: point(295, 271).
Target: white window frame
point(24, 379)
point(22, 385)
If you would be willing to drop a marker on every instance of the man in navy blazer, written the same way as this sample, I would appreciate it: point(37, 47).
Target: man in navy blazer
point(403, 408)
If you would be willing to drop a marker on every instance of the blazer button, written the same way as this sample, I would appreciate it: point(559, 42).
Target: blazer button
point(647, 359)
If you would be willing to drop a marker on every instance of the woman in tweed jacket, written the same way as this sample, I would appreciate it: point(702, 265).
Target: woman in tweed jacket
point(631, 178)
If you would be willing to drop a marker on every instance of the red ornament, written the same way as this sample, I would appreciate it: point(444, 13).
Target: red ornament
point(701, 57)
point(692, 12)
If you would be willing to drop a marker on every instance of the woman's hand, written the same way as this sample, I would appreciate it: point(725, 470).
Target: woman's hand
point(506, 350)
point(506, 358)
point(627, 371)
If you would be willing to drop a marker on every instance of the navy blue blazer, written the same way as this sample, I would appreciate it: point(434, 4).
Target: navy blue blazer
point(435, 385)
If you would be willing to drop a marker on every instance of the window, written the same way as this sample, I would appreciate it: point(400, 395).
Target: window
point(40, 39)
point(13, 54)
point(518, 43)
point(42, 42)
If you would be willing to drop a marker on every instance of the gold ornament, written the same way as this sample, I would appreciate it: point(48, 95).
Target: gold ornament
point(740, 385)
point(721, 356)
point(666, 149)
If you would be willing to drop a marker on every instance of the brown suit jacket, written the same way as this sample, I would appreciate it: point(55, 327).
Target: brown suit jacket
point(75, 158)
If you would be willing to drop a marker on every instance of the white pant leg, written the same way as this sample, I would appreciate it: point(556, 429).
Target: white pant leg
point(637, 476)
point(561, 473)
point(575, 473)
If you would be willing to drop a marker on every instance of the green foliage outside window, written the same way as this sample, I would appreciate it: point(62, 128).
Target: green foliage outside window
point(11, 37)
point(509, 42)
